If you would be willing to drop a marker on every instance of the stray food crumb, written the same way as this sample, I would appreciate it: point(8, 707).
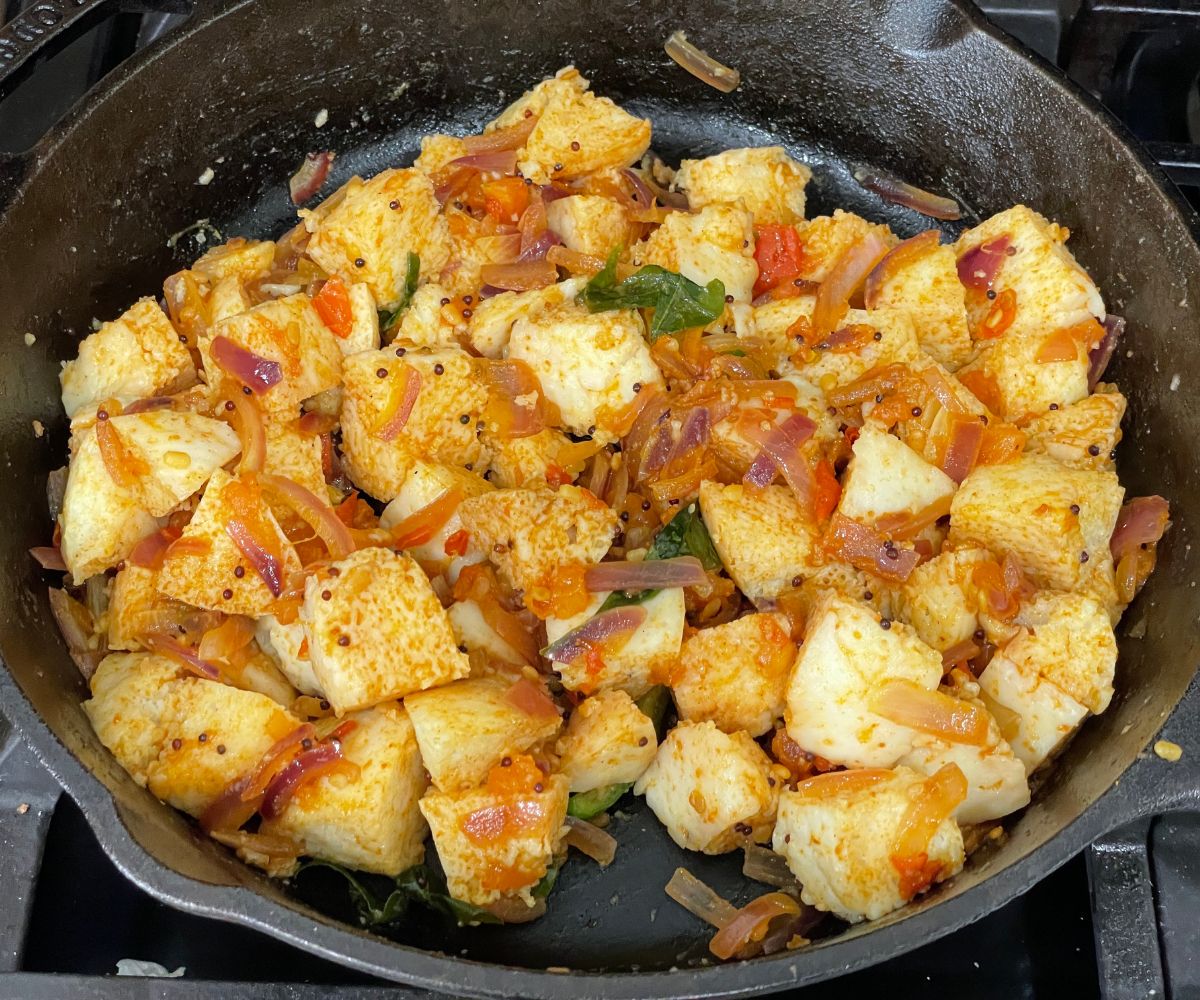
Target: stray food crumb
point(322, 118)
point(561, 969)
point(1174, 382)
point(38, 428)
point(206, 177)
point(30, 340)
point(23, 808)
point(1168, 750)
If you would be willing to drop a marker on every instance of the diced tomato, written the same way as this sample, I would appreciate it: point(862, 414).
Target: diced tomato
point(1063, 344)
point(1001, 443)
point(562, 593)
point(456, 544)
point(332, 303)
point(985, 388)
point(827, 491)
point(779, 253)
point(506, 198)
point(556, 475)
point(917, 873)
point(1000, 317)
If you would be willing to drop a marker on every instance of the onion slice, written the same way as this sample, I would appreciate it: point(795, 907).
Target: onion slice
point(316, 513)
point(763, 865)
point(699, 899)
point(864, 548)
point(701, 65)
point(650, 574)
point(307, 181)
point(891, 188)
point(896, 260)
point(164, 645)
point(259, 374)
point(423, 523)
point(401, 400)
point(601, 847)
point(609, 627)
point(500, 161)
point(305, 767)
point(49, 557)
point(749, 925)
point(76, 624)
point(978, 267)
point(941, 793)
point(522, 276)
point(252, 431)
point(833, 297)
point(501, 139)
point(834, 783)
point(782, 445)
point(265, 563)
point(530, 698)
point(231, 809)
point(948, 718)
point(1101, 354)
point(1142, 521)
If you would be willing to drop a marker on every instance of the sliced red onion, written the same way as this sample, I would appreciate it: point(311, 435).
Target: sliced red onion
point(762, 472)
point(531, 699)
point(520, 277)
point(782, 444)
point(693, 433)
point(642, 195)
point(597, 844)
point(149, 403)
point(862, 547)
point(1101, 354)
point(498, 140)
point(264, 563)
point(833, 297)
point(502, 161)
point(164, 645)
point(652, 574)
point(395, 423)
point(895, 260)
point(49, 557)
point(962, 450)
point(1141, 521)
point(316, 513)
point(258, 373)
point(490, 291)
point(978, 267)
point(701, 65)
point(900, 192)
point(306, 766)
point(552, 192)
point(537, 250)
point(307, 181)
point(594, 632)
point(658, 450)
point(76, 624)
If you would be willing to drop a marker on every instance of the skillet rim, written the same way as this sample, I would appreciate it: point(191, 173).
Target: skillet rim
point(340, 942)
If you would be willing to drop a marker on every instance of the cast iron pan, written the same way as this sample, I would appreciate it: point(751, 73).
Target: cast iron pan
point(926, 89)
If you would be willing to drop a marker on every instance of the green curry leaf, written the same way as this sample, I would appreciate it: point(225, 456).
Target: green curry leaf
point(678, 302)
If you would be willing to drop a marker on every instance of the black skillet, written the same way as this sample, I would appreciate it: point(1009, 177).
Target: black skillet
point(926, 89)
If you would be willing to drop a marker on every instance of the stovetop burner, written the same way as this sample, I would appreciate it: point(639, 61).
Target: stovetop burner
point(1119, 921)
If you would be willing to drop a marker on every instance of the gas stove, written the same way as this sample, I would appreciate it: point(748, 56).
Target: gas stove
point(1119, 921)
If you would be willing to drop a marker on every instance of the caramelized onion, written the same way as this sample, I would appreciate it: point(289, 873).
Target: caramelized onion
point(978, 267)
point(123, 466)
point(749, 925)
point(834, 783)
point(305, 767)
point(49, 557)
point(609, 627)
point(307, 181)
point(257, 373)
point(892, 189)
point(763, 865)
point(501, 139)
point(962, 449)
point(164, 645)
point(650, 574)
point(941, 715)
point(1100, 355)
point(1141, 522)
point(399, 406)
point(149, 403)
point(782, 444)
point(960, 652)
point(940, 795)
point(229, 810)
point(863, 548)
point(530, 698)
point(521, 276)
point(701, 65)
point(252, 431)
point(265, 563)
point(833, 297)
point(151, 550)
point(699, 899)
point(425, 522)
point(896, 260)
point(76, 625)
point(316, 513)
point(601, 847)
point(501, 161)
point(508, 382)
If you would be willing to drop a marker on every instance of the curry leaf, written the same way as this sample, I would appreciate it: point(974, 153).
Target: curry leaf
point(678, 302)
point(412, 272)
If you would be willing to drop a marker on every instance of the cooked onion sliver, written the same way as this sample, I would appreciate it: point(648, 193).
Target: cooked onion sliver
point(317, 514)
point(960, 652)
point(49, 557)
point(749, 925)
point(265, 563)
point(900, 192)
point(501, 139)
point(304, 768)
point(252, 431)
point(173, 649)
point(402, 398)
point(307, 181)
point(699, 899)
point(865, 549)
point(501, 161)
point(701, 65)
point(76, 625)
point(782, 444)
point(231, 809)
point(425, 522)
point(940, 715)
point(573, 261)
point(531, 699)
point(962, 450)
point(522, 276)
point(124, 467)
point(905, 526)
point(227, 639)
point(276, 756)
point(978, 267)
point(149, 403)
point(763, 865)
point(651, 574)
point(259, 374)
point(833, 297)
point(941, 794)
point(1100, 355)
point(601, 847)
point(896, 260)
point(609, 628)
point(822, 786)
point(1141, 521)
